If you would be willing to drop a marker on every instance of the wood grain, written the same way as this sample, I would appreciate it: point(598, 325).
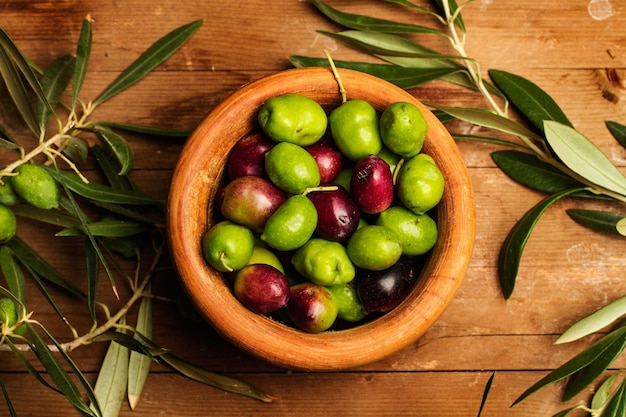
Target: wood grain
point(566, 271)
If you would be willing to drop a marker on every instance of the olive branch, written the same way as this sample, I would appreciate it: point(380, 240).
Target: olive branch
point(543, 151)
point(49, 101)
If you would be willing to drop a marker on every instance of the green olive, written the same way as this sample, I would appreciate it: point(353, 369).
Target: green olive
point(355, 128)
point(8, 224)
point(420, 183)
point(228, 246)
point(36, 186)
point(293, 118)
point(403, 128)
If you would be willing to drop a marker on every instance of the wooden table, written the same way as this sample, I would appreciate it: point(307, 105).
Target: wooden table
point(575, 50)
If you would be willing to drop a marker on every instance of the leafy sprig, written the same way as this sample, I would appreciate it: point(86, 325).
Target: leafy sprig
point(125, 219)
point(545, 152)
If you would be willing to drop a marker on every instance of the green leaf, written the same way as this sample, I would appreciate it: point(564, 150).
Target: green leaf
point(490, 120)
point(54, 81)
point(99, 192)
point(567, 411)
point(586, 376)
point(17, 91)
point(486, 394)
point(598, 220)
point(139, 365)
point(93, 273)
point(368, 23)
point(31, 259)
point(402, 77)
point(216, 380)
point(578, 362)
point(83, 52)
point(616, 406)
point(618, 131)
point(583, 157)
point(7, 144)
point(530, 99)
point(603, 392)
point(157, 53)
point(485, 139)
point(58, 374)
point(118, 146)
point(5, 393)
point(110, 168)
point(513, 246)
point(412, 6)
point(595, 321)
point(27, 365)
point(148, 130)
point(75, 148)
point(527, 169)
point(108, 228)
point(13, 274)
point(54, 217)
point(110, 388)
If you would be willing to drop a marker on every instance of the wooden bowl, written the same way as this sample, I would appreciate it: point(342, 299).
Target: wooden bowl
point(197, 178)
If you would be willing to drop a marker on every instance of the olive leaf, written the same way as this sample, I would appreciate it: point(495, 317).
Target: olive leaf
point(7, 144)
point(17, 91)
point(603, 392)
point(400, 76)
point(602, 221)
point(486, 394)
point(412, 6)
point(139, 364)
point(118, 146)
point(616, 406)
point(110, 168)
point(100, 192)
point(595, 321)
point(618, 131)
point(27, 365)
point(529, 99)
point(361, 22)
point(75, 148)
point(527, 169)
point(83, 52)
point(513, 246)
point(110, 387)
point(54, 82)
point(59, 376)
point(479, 138)
point(54, 217)
point(578, 362)
point(12, 273)
point(12, 412)
point(147, 130)
point(108, 228)
point(583, 157)
point(150, 59)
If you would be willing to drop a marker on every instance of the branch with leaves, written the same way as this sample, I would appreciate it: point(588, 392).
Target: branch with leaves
point(545, 153)
point(125, 220)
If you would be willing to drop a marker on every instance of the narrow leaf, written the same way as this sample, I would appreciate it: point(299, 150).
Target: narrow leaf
point(13, 274)
point(486, 394)
point(412, 6)
point(100, 192)
point(54, 217)
point(110, 388)
point(108, 228)
point(31, 259)
point(618, 131)
point(486, 139)
point(93, 273)
point(403, 77)
point(490, 120)
point(148, 130)
point(28, 366)
point(603, 392)
point(583, 157)
point(150, 59)
point(586, 376)
point(216, 380)
point(5, 393)
point(616, 406)
point(602, 221)
point(513, 246)
point(139, 365)
point(595, 321)
point(75, 148)
point(7, 144)
point(58, 374)
point(577, 363)
point(54, 82)
point(361, 22)
point(17, 91)
point(530, 99)
point(118, 146)
point(83, 52)
point(527, 169)
point(110, 168)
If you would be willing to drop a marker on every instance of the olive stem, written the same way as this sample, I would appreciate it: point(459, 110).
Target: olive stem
point(320, 188)
point(342, 90)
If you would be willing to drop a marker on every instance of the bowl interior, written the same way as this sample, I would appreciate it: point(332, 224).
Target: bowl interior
point(199, 173)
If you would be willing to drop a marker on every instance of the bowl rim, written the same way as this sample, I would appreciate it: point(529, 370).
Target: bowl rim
point(193, 187)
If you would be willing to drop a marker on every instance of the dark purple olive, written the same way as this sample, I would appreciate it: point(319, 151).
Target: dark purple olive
point(247, 158)
point(337, 214)
point(371, 184)
point(381, 291)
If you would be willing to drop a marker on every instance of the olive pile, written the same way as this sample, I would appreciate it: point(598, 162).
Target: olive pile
point(325, 217)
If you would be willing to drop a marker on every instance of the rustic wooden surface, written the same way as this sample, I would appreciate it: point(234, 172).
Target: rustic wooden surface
point(575, 50)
